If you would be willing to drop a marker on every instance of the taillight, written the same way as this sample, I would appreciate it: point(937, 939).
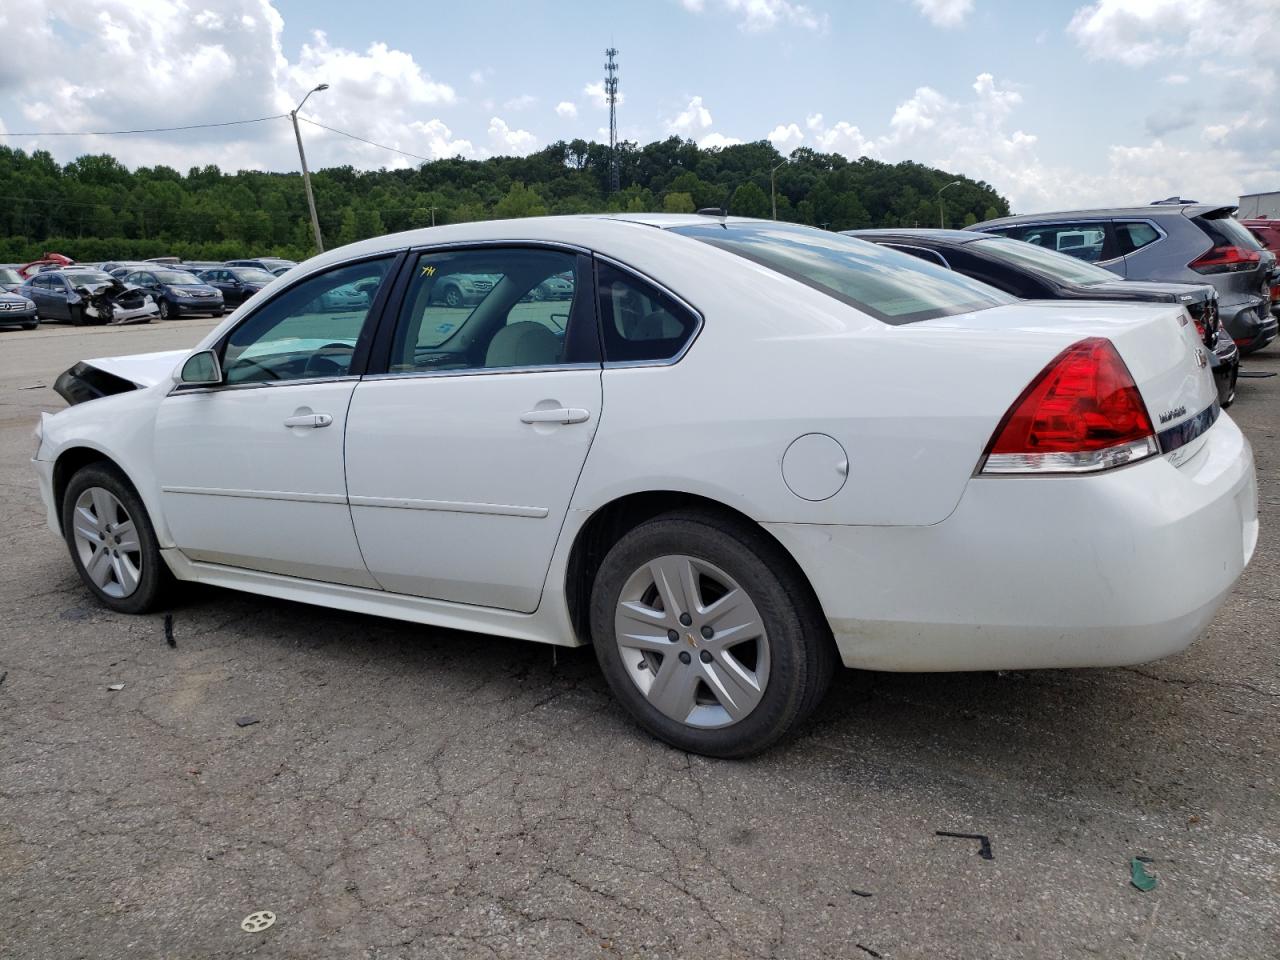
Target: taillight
point(1225, 260)
point(1082, 413)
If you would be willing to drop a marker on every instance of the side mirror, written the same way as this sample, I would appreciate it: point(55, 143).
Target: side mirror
point(201, 369)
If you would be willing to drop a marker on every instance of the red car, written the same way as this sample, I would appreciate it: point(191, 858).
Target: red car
point(1267, 231)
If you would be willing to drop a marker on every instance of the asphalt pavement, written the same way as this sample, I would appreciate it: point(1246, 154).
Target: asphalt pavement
point(397, 791)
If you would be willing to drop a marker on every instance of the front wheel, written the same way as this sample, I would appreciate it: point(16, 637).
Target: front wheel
point(112, 542)
point(165, 311)
point(30, 326)
point(706, 635)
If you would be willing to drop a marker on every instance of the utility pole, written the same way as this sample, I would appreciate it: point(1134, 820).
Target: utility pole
point(611, 94)
point(773, 189)
point(306, 174)
point(942, 217)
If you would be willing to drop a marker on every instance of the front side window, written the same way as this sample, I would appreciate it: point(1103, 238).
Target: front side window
point(893, 287)
point(309, 330)
point(493, 308)
point(1086, 240)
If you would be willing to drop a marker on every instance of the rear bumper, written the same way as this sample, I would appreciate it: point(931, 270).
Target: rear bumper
point(1252, 327)
point(1029, 572)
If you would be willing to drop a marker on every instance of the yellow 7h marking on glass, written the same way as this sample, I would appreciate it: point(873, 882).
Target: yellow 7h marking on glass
point(428, 271)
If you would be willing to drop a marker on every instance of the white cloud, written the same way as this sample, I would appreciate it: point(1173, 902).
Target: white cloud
point(566, 110)
point(595, 93)
point(508, 142)
point(713, 141)
point(785, 138)
point(945, 13)
point(522, 102)
point(845, 139)
point(693, 120)
point(1207, 32)
point(1175, 79)
point(760, 16)
point(439, 140)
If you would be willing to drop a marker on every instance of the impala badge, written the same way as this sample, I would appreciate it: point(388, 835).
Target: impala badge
point(1201, 360)
point(1173, 414)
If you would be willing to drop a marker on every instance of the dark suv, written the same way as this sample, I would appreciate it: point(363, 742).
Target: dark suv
point(1182, 242)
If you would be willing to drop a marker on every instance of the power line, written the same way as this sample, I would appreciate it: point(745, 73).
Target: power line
point(371, 143)
point(117, 133)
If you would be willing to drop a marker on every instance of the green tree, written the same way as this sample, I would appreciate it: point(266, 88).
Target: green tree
point(678, 203)
point(520, 201)
point(749, 201)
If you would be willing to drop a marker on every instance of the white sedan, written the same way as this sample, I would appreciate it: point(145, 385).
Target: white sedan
point(739, 452)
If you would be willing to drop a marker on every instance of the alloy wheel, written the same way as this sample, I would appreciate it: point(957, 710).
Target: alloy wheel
point(692, 641)
point(107, 542)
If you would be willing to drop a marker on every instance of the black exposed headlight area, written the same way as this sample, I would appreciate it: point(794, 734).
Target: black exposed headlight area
point(83, 382)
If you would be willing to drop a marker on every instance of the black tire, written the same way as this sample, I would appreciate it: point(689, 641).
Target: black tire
point(30, 326)
point(801, 650)
point(453, 297)
point(165, 310)
point(156, 582)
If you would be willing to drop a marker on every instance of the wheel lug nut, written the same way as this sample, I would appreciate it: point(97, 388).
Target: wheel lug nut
point(706, 656)
point(685, 619)
point(684, 656)
point(708, 633)
point(673, 635)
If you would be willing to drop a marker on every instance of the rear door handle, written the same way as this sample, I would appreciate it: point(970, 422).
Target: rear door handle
point(556, 415)
point(309, 420)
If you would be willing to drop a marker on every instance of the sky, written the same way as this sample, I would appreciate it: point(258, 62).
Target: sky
point(1057, 104)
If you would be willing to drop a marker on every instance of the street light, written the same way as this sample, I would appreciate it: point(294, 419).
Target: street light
point(942, 220)
point(773, 190)
point(306, 175)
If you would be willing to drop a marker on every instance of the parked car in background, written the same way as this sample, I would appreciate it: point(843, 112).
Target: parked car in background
point(10, 279)
point(198, 266)
point(236, 284)
point(269, 264)
point(815, 449)
point(178, 293)
point(121, 268)
point(1182, 242)
point(280, 271)
point(1267, 230)
point(1032, 272)
point(17, 311)
point(462, 289)
point(87, 296)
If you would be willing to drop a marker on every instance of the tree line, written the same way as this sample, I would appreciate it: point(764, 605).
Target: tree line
point(95, 208)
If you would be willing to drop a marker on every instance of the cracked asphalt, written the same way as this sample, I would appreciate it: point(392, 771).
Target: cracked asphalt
point(408, 792)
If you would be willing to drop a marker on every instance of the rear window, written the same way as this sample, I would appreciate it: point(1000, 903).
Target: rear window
point(893, 287)
point(1049, 263)
point(1226, 231)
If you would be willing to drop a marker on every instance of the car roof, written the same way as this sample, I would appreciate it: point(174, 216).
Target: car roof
point(1143, 212)
point(909, 233)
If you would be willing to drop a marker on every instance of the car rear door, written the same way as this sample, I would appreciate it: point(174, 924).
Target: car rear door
point(463, 453)
point(251, 471)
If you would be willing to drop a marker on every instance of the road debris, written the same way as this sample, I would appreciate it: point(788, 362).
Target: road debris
point(168, 630)
point(984, 850)
point(861, 893)
point(34, 386)
point(246, 721)
point(866, 950)
point(1139, 876)
point(115, 687)
point(3, 675)
point(257, 921)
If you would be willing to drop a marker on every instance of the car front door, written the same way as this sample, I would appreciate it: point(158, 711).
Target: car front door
point(463, 454)
point(222, 279)
point(251, 470)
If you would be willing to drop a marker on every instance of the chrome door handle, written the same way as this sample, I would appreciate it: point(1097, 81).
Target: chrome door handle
point(309, 420)
point(556, 415)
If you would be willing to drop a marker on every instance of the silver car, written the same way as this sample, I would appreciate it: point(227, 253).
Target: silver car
point(1184, 242)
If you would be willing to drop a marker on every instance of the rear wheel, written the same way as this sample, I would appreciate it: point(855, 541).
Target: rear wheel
point(706, 635)
point(112, 542)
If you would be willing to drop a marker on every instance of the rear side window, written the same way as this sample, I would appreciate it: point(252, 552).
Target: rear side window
point(893, 287)
point(638, 321)
point(1225, 231)
point(1134, 236)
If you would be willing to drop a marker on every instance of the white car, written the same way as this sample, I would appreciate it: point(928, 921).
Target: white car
point(741, 451)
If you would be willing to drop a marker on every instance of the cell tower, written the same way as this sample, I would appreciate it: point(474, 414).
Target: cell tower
point(611, 93)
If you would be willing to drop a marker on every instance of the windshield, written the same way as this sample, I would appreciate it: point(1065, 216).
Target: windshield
point(174, 277)
point(95, 276)
point(1050, 263)
point(252, 275)
point(893, 287)
point(9, 276)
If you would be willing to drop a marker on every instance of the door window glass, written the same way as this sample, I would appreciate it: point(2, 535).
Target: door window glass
point(1084, 241)
point(1135, 236)
point(493, 308)
point(309, 330)
point(638, 321)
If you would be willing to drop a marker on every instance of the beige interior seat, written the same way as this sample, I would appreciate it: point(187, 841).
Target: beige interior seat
point(523, 344)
